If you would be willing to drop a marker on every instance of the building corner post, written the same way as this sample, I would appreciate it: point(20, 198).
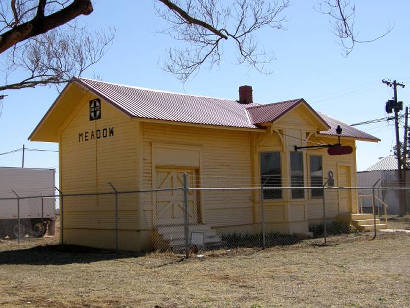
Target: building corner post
point(60, 194)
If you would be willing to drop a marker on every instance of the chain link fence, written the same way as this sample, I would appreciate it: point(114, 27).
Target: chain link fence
point(188, 218)
point(25, 217)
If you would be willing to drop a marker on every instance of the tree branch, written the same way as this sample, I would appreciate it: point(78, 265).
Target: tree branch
point(29, 83)
point(343, 14)
point(42, 24)
point(191, 20)
point(40, 9)
point(204, 25)
point(13, 8)
point(56, 56)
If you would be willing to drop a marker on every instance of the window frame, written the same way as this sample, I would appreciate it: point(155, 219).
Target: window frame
point(293, 190)
point(95, 109)
point(281, 174)
point(310, 176)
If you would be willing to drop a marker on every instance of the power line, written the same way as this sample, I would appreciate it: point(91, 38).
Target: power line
point(41, 150)
point(28, 149)
point(13, 151)
point(374, 121)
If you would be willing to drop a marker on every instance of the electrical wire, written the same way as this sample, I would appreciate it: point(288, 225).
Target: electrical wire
point(41, 150)
point(302, 139)
point(375, 121)
point(28, 149)
point(12, 151)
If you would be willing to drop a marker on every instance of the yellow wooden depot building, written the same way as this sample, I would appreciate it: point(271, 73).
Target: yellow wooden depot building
point(141, 139)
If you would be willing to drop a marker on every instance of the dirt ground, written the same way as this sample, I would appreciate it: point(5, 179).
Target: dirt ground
point(352, 270)
point(396, 222)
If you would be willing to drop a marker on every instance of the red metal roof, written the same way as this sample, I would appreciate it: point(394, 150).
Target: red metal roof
point(270, 112)
point(347, 130)
point(160, 105)
point(167, 106)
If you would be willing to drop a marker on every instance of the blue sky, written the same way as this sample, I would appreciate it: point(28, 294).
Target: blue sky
point(308, 63)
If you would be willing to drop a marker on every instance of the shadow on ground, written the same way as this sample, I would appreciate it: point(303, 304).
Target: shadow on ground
point(60, 255)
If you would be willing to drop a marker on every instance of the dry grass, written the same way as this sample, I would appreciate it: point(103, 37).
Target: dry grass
point(351, 271)
point(397, 222)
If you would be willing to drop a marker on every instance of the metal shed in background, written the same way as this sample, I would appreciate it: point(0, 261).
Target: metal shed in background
point(384, 170)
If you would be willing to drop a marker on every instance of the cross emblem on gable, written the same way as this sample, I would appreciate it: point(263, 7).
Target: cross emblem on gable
point(95, 109)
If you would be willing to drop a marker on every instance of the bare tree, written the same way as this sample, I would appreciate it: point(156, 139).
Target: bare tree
point(206, 24)
point(342, 14)
point(23, 19)
point(40, 41)
point(41, 48)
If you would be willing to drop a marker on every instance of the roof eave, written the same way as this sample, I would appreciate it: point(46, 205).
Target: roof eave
point(351, 137)
point(31, 137)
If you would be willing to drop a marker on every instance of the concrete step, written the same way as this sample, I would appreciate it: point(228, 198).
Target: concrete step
point(207, 238)
point(181, 241)
point(362, 222)
point(362, 216)
point(180, 246)
point(169, 233)
point(371, 227)
point(197, 227)
point(174, 236)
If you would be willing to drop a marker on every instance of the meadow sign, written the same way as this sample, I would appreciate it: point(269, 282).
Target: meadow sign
point(89, 135)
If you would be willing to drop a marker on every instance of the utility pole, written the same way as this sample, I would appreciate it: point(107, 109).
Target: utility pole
point(405, 154)
point(394, 105)
point(405, 140)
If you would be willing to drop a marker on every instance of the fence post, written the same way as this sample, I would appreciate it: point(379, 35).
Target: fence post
point(61, 215)
point(374, 214)
point(374, 210)
point(186, 230)
point(42, 208)
point(116, 215)
point(324, 213)
point(18, 216)
point(263, 220)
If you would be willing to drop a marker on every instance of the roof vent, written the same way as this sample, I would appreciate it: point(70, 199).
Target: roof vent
point(245, 95)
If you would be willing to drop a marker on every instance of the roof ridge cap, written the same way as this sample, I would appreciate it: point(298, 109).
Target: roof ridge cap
point(270, 104)
point(156, 90)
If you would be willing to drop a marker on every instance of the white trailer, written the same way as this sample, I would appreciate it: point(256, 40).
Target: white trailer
point(32, 216)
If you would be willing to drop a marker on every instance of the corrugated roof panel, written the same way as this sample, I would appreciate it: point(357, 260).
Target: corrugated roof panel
point(161, 105)
point(347, 130)
point(386, 163)
point(152, 104)
point(270, 112)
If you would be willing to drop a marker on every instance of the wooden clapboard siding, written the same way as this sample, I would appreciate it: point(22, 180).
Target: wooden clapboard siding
point(224, 161)
point(333, 163)
point(88, 167)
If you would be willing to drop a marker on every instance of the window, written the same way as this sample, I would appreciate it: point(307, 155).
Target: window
point(296, 174)
point(316, 175)
point(271, 174)
point(95, 109)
